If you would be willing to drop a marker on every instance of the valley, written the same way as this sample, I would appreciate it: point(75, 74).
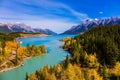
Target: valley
point(90, 54)
point(59, 39)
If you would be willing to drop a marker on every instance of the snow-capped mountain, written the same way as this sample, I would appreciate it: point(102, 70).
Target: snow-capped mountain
point(45, 31)
point(21, 27)
point(88, 24)
point(4, 28)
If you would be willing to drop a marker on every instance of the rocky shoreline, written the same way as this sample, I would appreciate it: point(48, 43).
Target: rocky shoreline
point(13, 67)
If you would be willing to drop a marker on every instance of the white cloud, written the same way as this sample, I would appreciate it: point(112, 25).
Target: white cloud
point(81, 16)
point(96, 19)
point(52, 5)
point(55, 23)
point(100, 12)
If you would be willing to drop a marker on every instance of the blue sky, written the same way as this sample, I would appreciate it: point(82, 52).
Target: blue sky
point(57, 15)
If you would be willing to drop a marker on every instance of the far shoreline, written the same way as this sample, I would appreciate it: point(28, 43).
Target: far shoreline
point(26, 35)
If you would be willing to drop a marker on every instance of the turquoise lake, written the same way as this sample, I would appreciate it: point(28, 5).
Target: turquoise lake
point(54, 56)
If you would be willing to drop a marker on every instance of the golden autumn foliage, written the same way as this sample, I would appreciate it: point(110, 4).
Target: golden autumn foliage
point(58, 68)
point(32, 77)
point(91, 60)
point(14, 53)
point(7, 51)
point(78, 72)
point(21, 52)
point(36, 50)
point(50, 76)
point(69, 73)
point(1, 59)
point(72, 72)
point(116, 69)
point(92, 74)
point(10, 47)
point(12, 44)
point(66, 39)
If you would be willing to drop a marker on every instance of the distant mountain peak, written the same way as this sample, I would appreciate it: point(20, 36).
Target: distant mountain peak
point(45, 31)
point(89, 23)
point(2, 23)
point(21, 27)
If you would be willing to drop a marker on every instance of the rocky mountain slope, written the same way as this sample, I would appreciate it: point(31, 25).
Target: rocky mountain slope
point(21, 27)
point(88, 24)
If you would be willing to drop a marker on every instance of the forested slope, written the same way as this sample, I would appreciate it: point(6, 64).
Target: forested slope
point(95, 55)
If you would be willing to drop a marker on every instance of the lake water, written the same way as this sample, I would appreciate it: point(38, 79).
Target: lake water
point(54, 56)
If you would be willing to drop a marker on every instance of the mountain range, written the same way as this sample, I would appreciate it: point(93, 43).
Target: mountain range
point(21, 27)
point(88, 24)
